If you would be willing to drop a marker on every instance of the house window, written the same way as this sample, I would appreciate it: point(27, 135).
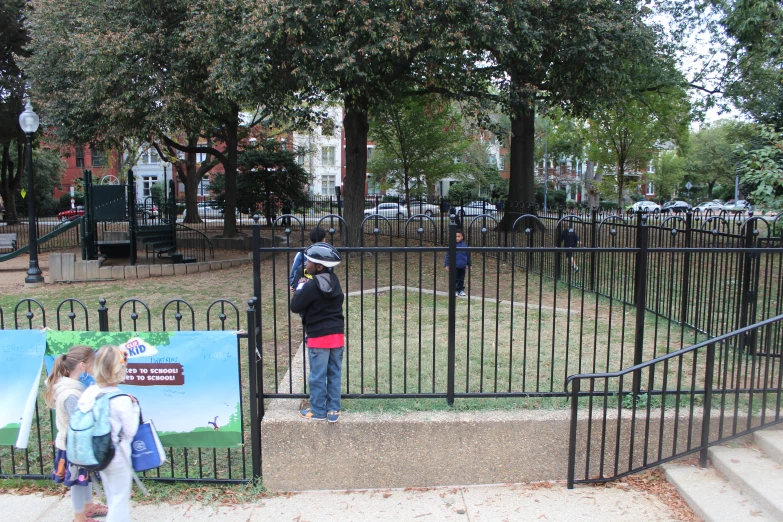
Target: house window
point(650, 188)
point(492, 160)
point(203, 186)
point(327, 156)
point(98, 158)
point(501, 162)
point(300, 159)
point(327, 185)
point(80, 157)
point(369, 152)
point(146, 185)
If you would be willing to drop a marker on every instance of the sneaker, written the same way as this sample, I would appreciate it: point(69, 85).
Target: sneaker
point(462, 294)
point(333, 416)
point(307, 413)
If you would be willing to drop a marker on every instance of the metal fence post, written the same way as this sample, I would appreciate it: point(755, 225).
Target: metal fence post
point(640, 301)
point(686, 269)
point(103, 316)
point(747, 293)
point(172, 211)
point(256, 398)
point(705, 420)
point(452, 311)
point(132, 217)
point(257, 265)
point(572, 432)
point(87, 251)
point(593, 241)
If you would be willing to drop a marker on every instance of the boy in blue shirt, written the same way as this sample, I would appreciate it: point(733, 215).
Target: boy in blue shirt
point(462, 261)
point(317, 235)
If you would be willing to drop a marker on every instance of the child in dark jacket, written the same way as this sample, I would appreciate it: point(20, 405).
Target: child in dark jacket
point(462, 261)
point(320, 301)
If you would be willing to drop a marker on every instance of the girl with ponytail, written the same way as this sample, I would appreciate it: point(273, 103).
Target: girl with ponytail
point(64, 387)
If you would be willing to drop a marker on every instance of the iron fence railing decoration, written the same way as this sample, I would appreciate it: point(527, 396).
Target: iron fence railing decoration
point(219, 465)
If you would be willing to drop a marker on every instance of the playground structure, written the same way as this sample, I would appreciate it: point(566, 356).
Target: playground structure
point(116, 225)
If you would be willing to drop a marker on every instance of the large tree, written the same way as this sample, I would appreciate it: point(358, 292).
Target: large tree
point(172, 74)
point(570, 54)
point(13, 39)
point(362, 53)
point(416, 141)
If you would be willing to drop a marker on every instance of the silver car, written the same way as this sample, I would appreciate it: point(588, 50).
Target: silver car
point(476, 208)
point(388, 210)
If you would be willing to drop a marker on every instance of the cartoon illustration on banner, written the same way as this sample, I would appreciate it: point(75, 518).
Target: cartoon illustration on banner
point(21, 354)
point(187, 382)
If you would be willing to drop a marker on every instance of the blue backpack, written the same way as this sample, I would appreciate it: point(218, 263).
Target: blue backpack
point(88, 443)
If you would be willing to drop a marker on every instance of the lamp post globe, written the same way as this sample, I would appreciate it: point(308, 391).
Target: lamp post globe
point(29, 122)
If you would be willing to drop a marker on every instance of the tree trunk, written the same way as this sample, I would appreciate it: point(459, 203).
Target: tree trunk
point(710, 187)
point(593, 178)
point(620, 186)
point(191, 181)
point(232, 150)
point(10, 182)
point(356, 127)
point(521, 186)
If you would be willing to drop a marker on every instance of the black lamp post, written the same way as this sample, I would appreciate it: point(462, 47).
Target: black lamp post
point(29, 121)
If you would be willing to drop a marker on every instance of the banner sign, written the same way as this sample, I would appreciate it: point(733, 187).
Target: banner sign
point(186, 382)
point(21, 355)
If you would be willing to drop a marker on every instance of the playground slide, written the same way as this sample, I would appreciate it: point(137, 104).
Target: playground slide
point(43, 239)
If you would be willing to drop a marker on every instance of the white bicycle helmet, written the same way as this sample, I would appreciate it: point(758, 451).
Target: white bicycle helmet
point(323, 254)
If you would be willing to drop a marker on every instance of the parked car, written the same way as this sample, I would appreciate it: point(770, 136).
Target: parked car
point(708, 206)
point(675, 207)
point(476, 208)
point(738, 206)
point(388, 210)
point(645, 206)
point(70, 214)
point(211, 210)
point(422, 207)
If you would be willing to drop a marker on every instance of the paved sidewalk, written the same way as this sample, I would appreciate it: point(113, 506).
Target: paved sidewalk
point(525, 502)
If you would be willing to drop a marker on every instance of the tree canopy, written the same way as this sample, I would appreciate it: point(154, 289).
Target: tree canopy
point(175, 74)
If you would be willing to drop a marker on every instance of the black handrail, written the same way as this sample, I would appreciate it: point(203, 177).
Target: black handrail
point(744, 381)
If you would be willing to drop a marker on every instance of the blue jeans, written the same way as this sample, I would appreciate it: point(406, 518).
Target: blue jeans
point(325, 375)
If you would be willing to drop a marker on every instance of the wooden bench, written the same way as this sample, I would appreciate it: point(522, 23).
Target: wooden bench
point(8, 242)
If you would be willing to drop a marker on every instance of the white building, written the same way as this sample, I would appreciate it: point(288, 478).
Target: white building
point(321, 153)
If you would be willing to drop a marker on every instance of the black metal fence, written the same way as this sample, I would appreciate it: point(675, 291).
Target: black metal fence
point(133, 315)
point(529, 320)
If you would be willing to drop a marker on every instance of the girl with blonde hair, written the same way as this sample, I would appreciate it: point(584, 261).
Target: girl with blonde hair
point(109, 371)
point(64, 387)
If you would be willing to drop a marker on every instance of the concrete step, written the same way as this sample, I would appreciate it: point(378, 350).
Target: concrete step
point(711, 496)
point(756, 474)
point(771, 443)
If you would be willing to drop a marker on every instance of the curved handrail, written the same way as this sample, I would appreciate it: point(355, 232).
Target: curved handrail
point(180, 226)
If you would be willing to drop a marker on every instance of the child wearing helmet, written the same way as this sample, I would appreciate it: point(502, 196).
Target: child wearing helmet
point(320, 301)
